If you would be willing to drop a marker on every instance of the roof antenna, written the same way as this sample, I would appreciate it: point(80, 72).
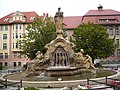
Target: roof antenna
point(99, 2)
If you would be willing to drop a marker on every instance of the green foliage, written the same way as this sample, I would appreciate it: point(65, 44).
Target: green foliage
point(37, 35)
point(1, 67)
point(94, 40)
point(30, 88)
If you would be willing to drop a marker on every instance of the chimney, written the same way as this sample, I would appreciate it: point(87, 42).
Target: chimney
point(43, 14)
point(47, 15)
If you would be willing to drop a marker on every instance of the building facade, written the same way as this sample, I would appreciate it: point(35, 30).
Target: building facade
point(12, 27)
point(109, 18)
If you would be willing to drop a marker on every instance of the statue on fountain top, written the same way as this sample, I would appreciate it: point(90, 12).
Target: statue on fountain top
point(59, 21)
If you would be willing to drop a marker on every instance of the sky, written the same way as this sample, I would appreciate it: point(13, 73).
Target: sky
point(69, 7)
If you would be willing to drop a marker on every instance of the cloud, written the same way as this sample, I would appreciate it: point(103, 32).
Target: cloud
point(69, 7)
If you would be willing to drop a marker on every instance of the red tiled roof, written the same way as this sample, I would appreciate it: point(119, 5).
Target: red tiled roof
point(102, 12)
point(95, 19)
point(28, 15)
point(72, 21)
point(17, 21)
point(2, 19)
point(95, 15)
point(89, 19)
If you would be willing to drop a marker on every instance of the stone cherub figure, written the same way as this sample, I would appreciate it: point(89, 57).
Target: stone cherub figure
point(39, 56)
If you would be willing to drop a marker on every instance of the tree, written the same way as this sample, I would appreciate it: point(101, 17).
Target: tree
point(94, 40)
point(37, 35)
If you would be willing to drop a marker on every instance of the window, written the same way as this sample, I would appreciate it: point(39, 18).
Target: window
point(6, 19)
point(16, 35)
point(1, 28)
point(16, 45)
point(1, 55)
point(20, 26)
point(19, 63)
point(16, 26)
point(13, 45)
point(110, 30)
point(6, 55)
point(4, 45)
point(6, 27)
point(14, 64)
point(13, 27)
point(4, 36)
point(15, 55)
point(6, 64)
point(118, 52)
point(20, 35)
point(116, 30)
point(32, 18)
point(107, 20)
point(13, 35)
point(117, 41)
point(102, 20)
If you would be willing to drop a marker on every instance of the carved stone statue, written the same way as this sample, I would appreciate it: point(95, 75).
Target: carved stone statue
point(59, 21)
point(79, 57)
point(39, 55)
point(36, 63)
point(88, 62)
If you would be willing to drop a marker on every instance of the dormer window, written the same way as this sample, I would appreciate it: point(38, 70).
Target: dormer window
point(6, 19)
point(107, 20)
point(32, 18)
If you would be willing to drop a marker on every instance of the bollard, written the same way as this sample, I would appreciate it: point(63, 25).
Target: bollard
point(87, 81)
point(106, 79)
point(6, 83)
point(21, 83)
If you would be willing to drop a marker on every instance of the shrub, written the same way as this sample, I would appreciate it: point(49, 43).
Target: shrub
point(30, 88)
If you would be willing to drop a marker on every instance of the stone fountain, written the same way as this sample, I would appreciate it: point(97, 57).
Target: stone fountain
point(60, 58)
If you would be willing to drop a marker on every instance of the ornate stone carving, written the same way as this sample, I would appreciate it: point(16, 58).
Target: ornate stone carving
point(88, 62)
point(79, 58)
point(83, 61)
point(60, 58)
point(37, 64)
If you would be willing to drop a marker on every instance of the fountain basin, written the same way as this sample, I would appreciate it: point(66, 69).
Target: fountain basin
point(61, 71)
point(70, 82)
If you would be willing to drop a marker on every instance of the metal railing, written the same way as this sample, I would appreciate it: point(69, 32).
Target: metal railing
point(5, 83)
